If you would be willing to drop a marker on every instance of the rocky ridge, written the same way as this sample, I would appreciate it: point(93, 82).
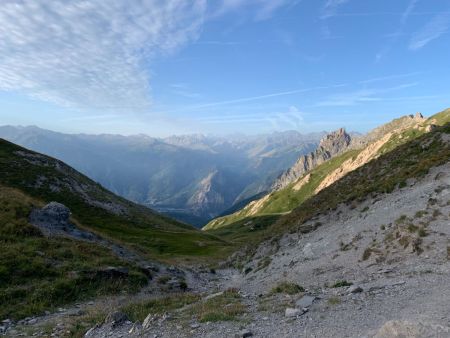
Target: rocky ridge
point(329, 146)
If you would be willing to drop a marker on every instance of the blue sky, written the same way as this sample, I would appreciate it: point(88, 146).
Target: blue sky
point(224, 66)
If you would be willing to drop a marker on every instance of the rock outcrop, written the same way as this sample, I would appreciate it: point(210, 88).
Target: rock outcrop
point(54, 220)
point(330, 146)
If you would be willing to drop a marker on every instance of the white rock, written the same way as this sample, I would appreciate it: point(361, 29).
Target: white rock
point(291, 312)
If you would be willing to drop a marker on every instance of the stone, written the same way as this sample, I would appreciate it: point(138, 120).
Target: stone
point(147, 321)
point(355, 289)
point(305, 302)
point(244, 334)
point(293, 312)
point(195, 326)
point(136, 328)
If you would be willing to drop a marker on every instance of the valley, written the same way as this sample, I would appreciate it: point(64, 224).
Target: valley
point(348, 247)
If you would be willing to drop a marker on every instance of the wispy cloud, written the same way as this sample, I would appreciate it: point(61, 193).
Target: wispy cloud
point(389, 77)
point(438, 26)
point(331, 6)
point(394, 37)
point(183, 89)
point(253, 98)
point(91, 53)
point(263, 9)
point(361, 96)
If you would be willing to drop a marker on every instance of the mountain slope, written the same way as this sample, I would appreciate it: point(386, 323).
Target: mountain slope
point(97, 209)
point(361, 151)
point(40, 273)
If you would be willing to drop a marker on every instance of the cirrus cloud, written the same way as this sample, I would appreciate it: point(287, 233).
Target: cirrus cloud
point(93, 53)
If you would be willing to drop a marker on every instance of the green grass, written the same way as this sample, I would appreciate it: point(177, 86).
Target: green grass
point(334, 300)
point(39, 273)
point(287, 288)
point(285, 200)
point(411, 160)
point(140, 310)
point(342, 283)
point(225, 307)
point(441, 118)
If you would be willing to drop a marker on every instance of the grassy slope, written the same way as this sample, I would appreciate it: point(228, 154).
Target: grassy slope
point(39, 273)
point(410, 160)
point(150, 233)
point(237, 226)
point(285, 200)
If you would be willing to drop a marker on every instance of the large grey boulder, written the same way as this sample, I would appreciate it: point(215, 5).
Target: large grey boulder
point(53, 216)
point(54, 220)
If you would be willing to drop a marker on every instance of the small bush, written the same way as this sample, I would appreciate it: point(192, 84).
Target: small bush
point(420, 213)
point(422, 232)
point(334, 300)
point(366, 254)
point(341, 283)
point(401, 219)
point(288, 288)
point(412, 228)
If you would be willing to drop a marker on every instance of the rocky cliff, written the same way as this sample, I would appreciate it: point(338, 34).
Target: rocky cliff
point(330, 145)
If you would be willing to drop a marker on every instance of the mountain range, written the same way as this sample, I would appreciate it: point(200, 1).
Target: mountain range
point(193, 178)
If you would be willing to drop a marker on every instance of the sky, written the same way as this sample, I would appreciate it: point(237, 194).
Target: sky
point(219, 67)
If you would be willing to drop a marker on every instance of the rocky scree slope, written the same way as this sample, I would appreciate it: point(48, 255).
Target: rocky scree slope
point(357, 152)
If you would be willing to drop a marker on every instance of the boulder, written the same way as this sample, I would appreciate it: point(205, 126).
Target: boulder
point(293, 312)
point(305, 302)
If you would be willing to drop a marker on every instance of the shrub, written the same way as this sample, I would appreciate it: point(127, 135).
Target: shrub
point(288, 288)
point(341, 283)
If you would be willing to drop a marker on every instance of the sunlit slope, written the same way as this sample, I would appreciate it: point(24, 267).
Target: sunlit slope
point(380, 141)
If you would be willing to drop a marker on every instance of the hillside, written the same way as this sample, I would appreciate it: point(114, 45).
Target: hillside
point(95, 208)
point(165, 173)
point(361, 150)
